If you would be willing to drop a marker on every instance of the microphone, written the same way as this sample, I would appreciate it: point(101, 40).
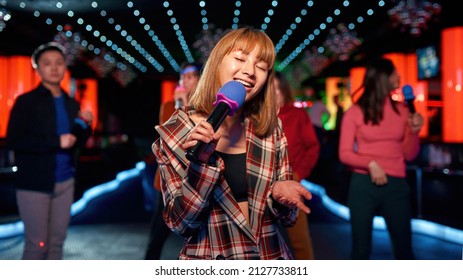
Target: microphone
point(229, 99)
point(409, 97)
point(179, 101)
point(79, 126)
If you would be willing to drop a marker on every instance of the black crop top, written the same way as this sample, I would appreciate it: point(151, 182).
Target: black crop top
point(235, 174)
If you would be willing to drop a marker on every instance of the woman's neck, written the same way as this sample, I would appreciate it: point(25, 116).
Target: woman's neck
point(233, 138)
point(232, 121)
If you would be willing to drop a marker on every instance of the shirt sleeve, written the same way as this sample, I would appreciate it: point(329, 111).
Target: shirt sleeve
point(286, 215)
point(186, 190)
point(21, 138)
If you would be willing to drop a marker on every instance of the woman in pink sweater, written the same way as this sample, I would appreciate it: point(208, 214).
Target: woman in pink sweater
point(378, 136)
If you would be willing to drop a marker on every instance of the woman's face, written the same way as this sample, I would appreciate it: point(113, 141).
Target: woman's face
point(51, 67)
point(245, 68)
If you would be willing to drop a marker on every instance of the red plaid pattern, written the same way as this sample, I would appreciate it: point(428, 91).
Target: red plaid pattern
point(200, 206)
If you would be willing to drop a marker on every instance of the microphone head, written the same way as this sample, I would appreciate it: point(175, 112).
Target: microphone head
point(233, 94)
point(407, 91)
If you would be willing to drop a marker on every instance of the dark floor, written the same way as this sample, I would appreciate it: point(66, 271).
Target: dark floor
point(115, 226)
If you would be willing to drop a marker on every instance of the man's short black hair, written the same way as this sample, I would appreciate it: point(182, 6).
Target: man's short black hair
point(51, 46)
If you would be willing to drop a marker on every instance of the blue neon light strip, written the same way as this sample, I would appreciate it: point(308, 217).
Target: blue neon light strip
point(418, 226)
point(11, 229)
point(17, 228)
point(110, 186)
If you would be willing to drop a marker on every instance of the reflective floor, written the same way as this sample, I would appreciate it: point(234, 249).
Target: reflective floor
point(115, 226)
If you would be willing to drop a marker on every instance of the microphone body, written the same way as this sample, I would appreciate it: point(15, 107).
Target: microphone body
point(79, 126)
point(409, 97)
point(229, 99)
point(178, 103)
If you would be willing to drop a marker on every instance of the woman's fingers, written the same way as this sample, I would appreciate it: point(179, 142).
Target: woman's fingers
point(188, 144)
point(303, 207)
point(292, 194)
point(381, 180)
point(305, 193)
point(201, 132)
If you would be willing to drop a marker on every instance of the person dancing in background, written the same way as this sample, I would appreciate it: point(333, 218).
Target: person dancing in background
point(303, 148)
point(378, 136)
point(227, 204)
point(189, 77)
point(318, 112)
point(45, 129)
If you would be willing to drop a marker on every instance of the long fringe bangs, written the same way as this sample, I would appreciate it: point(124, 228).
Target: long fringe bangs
point(248, 39)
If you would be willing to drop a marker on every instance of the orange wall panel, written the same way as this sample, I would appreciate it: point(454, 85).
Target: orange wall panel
point(17, 77)
point(167, 90)
point(4, 112)
point(355, 82)
point(452, 82)
point(89, 99)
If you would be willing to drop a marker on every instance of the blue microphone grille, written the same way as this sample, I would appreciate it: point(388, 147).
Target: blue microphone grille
point(235, 91)
point(407, 91)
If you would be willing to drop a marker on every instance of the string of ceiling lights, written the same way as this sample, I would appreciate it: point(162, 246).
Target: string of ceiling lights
point(5, 15)
point(178, 32)
point(133, 42)
point(323, 26)
point(268, 18)
point(154, 37)
point(110, 43)
point(292, 27)
point(236, 12)
point(204, 19)
point(97, 34)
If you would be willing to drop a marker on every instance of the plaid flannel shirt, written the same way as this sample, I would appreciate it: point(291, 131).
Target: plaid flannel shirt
point(200, 206)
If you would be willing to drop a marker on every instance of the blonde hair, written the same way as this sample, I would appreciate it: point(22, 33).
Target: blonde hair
point(262, 109)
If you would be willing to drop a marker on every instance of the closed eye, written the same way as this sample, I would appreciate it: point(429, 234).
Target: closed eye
point(262, 67)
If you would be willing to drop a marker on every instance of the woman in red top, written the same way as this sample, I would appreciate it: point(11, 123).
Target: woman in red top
point(378, 136)
point(303, 149)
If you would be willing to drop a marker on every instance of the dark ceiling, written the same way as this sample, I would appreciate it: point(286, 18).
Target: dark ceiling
point(25, 31)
